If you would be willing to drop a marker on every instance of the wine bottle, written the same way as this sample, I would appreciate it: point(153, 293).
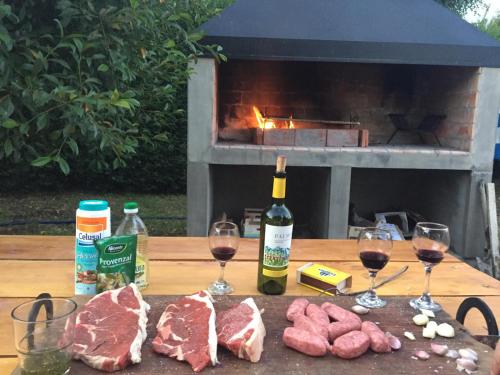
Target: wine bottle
point(276, 226)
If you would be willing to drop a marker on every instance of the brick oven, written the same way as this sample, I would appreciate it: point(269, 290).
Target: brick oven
point(387, 104)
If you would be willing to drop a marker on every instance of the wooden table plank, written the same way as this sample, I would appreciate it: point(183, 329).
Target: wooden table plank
point(474, 322)
point(7, 365)
point(28, 278)
point(196, 248)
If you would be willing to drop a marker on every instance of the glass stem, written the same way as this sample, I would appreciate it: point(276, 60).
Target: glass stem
point(373, 275)
point(221, 274)
point(426, 295)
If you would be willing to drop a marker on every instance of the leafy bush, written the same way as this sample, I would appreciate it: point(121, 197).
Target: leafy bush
point(98, 85)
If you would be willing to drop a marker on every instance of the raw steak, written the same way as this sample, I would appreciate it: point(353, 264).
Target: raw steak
point(241, 330)
point(186, 331)
point(111, 328)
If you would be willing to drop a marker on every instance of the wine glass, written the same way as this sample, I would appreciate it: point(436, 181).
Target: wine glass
point(223, 240)
point(374, 246)
point(430, 242)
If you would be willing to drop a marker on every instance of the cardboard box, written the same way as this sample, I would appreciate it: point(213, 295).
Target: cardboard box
point(322, 278)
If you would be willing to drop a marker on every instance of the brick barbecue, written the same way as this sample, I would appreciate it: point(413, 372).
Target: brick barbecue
point(385, 124)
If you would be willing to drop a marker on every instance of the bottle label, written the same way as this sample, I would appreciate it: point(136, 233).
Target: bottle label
point(86, 256)
point(140, 272)
point(279, 187)
point(277, 243)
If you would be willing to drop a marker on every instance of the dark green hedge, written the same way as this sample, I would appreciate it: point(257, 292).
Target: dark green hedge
point(93, 92)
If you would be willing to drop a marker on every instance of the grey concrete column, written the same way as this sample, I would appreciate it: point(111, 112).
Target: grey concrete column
point(202, 109)
point(340, 191)
point(474, 226)
point(199, 199)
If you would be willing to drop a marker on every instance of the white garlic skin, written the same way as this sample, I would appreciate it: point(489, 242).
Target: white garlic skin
point(439, 349)
point(422, 354)
point(468, 354)
point(452, 354)
point(360, 310)
point(466, 364)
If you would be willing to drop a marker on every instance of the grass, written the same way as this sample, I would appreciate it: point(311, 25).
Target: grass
point(164, 215)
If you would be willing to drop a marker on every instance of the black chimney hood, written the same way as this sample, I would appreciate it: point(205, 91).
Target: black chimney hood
point(368, 31)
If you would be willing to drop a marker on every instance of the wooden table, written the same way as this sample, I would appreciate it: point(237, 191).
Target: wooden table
point(182, 265)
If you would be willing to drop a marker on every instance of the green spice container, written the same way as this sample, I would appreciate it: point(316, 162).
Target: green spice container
point(132, 224)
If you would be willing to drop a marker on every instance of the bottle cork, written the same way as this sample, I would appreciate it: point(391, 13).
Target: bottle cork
point(280, 163)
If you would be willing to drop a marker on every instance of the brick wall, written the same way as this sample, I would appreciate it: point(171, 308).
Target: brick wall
point(356, 92)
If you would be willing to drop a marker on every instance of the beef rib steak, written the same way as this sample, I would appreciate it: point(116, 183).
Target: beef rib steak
point(186, 331)
point(241, 330)
point(111, 328)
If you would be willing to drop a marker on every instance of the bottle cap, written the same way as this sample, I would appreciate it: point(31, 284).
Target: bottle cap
point(130, 208)
point(280, 163)
point(93, 205)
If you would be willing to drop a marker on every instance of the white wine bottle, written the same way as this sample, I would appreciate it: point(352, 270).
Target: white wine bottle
point(276, 229)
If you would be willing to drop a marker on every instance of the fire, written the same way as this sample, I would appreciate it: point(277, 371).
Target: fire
point(291, 125)
point(262, 121)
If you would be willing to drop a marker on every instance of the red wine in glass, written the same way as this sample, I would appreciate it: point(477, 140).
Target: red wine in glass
point(223, 253)
point(429, 256)
point(430, 242)
point(373, 260)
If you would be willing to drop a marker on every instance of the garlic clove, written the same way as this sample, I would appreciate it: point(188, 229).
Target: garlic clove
point(394, 342)
point(420, 319)
point(428, 313)
point(360, 310)
point(468, 353)
point(429, 332)
point(439, 349)
point(452, 354)
point(409, 336)
point(445, 330)
point(466, 364)
point(432, 324)
point(422, 354)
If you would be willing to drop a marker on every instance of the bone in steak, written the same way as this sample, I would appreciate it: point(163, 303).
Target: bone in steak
point(186, 331)
point(111, 328)
point(241, 330)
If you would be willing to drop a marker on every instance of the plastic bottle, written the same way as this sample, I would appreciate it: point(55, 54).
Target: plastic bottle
point(132, 224)
point(93, 222)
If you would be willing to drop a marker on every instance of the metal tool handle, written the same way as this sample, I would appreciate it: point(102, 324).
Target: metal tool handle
point(42, 300)
point(478, 303)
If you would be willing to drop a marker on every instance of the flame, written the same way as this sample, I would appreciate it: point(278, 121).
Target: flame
point(291, 125)
point(262, 121)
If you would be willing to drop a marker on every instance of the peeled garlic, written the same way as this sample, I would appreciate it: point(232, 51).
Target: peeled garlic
point(445, 330)
point(422, 354)
point(439, 349)
point(466, 364)
point(428, 313)
point(420, 319)
point(394, 342)
point(360, 310)
point(432, 324)
point(452, 354)
point(409, 336)
point(429, 332)
point(468, 354)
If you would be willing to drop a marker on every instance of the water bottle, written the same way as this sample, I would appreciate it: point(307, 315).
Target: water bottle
point(132, 224)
